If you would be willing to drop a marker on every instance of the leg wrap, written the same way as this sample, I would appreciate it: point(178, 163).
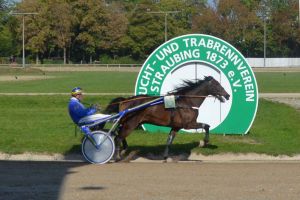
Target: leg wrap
point(206, 138)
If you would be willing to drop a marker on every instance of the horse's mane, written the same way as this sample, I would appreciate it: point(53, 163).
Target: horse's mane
point(188, 85)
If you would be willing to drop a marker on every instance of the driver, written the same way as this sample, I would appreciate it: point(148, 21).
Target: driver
point(79, 113)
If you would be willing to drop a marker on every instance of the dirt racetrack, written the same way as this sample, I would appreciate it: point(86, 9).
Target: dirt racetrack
point(150, 181)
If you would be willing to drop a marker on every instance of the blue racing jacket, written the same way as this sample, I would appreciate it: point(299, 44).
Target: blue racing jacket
point(78, 111)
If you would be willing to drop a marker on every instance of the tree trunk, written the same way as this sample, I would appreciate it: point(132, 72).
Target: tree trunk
point(65, 55)
point(37, 59)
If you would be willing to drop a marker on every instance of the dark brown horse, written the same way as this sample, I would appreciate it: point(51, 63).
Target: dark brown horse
point(189, 97)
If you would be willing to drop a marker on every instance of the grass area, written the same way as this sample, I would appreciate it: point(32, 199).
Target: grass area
point(41, 124)
point(64, 81)
point(121, 81)
point(37, 124)
point(275, 131)
point(278, 82)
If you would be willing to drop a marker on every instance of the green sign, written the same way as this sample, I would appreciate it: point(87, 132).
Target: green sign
point(193, 57)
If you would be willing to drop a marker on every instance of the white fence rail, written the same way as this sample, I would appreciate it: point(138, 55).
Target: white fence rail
point(274, 62)
point(253, 62)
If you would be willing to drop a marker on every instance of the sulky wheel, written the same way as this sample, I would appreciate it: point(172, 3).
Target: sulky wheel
point(98, 148)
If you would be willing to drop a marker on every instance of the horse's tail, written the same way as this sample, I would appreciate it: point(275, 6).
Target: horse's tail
point(113, 106)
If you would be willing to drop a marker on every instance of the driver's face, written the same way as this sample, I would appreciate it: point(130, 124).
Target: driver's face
point(79, 96)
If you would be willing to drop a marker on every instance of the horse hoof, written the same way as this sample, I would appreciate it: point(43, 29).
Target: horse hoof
point(168, 160)
point(117, 157)
point(132, 155)
point(123, 152)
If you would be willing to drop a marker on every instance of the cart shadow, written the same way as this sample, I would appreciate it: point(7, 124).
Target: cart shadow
point(152, 152)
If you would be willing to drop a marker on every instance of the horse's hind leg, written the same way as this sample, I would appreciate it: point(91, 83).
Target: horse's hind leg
point(118, 141)
point(121, 145)
point(124, 144)
point(123, 132)
point(170, 139)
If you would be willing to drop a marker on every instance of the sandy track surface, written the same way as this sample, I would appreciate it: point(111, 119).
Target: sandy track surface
point(150, 181)
point(82, 68)
point(276, 69)
point(24, 77)
point(292, 99)
point(193, 157)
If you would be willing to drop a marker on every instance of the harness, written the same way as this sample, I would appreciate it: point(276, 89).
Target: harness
point(170, 105)
point(169, 102)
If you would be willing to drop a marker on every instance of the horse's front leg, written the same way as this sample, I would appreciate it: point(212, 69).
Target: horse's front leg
point(205, 141)
point(170, 139)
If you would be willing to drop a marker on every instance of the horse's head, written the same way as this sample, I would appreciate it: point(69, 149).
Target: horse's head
point(208, 86)
point(113, 106)
point(215, 89)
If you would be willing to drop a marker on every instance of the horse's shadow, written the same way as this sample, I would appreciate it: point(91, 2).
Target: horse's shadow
point(180, 152)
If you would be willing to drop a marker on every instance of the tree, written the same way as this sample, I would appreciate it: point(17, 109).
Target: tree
point(62, 20)
point(84, 29)
point(145, 30)
point(6, 36)
point(234, 22)
point(115, 29)
point(38, 29)
point(180, 23)
point(91, 19)
point(284, 28)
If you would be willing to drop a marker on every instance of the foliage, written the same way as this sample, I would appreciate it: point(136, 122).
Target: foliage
point(105, 59)
point(38, 31)
point(7, 47)
point(89, 26)
point(61, 22)
point(83, 30)
point(234, 22)
point(6, 41)
point(284, 23)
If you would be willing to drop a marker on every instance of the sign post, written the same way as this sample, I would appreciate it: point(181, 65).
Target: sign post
point(23, 33)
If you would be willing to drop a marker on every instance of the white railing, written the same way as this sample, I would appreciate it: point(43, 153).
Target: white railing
point(274, 62)
point(74, 65)
point(253, 62)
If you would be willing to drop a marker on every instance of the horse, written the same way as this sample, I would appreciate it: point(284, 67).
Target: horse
point(189, 97)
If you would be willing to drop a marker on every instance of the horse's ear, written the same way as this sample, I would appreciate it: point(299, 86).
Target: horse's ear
point(208, 78)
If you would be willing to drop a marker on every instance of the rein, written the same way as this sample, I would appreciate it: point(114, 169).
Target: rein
point(149, 97)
